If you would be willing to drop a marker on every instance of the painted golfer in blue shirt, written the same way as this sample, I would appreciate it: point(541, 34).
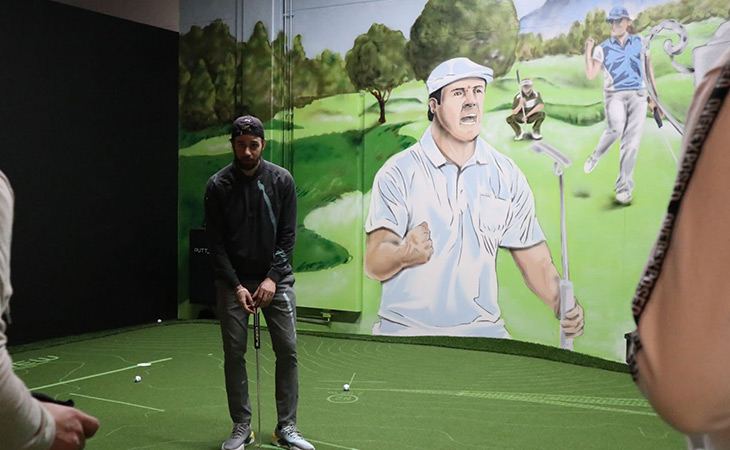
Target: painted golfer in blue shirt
point(439, 212)
point(625, 96)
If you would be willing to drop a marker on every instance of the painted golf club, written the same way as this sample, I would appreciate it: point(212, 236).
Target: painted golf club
point(567, 300)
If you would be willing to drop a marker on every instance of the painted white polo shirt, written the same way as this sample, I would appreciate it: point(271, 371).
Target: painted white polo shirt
point(471, 213)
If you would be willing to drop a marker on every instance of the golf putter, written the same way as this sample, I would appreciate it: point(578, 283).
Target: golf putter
point(257, 346)
point(524, 123)
point(567, 299)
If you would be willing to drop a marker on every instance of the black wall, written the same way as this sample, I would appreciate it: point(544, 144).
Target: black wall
point(88, 139)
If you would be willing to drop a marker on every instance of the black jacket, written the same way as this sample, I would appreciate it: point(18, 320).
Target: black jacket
point(251, 223)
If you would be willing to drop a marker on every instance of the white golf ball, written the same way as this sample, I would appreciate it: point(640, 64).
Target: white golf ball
point(159, 320)
point(346, 387)
point(137, 379)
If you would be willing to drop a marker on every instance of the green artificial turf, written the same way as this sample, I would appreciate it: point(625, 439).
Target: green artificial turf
point(404, 395)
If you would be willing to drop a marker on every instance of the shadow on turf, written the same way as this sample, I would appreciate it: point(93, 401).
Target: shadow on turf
point(581, 193)
point(614, 204)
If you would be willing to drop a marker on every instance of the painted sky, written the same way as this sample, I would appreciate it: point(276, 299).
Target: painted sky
point(556, 16)
point(332, 24)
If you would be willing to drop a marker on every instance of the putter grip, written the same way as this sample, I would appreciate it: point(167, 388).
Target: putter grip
point(256, 330)
point(41, 397)
point(567, 302)
point(657, 117)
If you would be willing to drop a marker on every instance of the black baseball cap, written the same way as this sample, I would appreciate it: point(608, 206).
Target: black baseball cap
point(247, 125)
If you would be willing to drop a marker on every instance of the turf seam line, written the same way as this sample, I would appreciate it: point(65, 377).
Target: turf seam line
point(503, 346)
point(573, 401)
point(332, 445)
point(116, 401)
point(94, 376)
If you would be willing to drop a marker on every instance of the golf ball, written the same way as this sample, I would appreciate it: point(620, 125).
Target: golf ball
point(137, 379)
point(159, 320)
point(346, 387)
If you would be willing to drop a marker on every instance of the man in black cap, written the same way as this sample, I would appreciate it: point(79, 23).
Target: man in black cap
point(250, 220)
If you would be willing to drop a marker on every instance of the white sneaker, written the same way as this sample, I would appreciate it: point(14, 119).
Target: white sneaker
point(623, 197)
point(241, 436)
point(291, 438)
point(536, 136)
point(520, 136)
point(590, 164)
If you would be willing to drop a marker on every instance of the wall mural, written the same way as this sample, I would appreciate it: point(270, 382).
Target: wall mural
point(451, 157)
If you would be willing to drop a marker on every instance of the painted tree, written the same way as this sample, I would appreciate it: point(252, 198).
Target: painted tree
point(281, 88)
point(529, 46)
point(212, 44)
point(575, 38)
point(256, 96)
point(224, 90)
point(595, 26)
point(207, 58)
point(332, 78)
point(183, 79)
point(484, 31)
point(377, 63)
point(303, 82)
point(198, 109)
point(685, 11)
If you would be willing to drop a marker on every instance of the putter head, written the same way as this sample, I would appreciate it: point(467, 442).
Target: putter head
point(559, 157)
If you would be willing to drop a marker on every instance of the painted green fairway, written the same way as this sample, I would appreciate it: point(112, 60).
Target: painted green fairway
point(402, 396)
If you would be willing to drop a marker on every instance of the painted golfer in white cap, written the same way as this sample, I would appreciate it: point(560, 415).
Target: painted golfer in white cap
point(440, 210)
point(624, 95)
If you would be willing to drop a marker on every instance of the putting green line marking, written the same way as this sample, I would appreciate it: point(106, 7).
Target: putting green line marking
point(116, 401)
point(599, 408)
point(353, 377)
point(33, 362)
point(95, 376)
point(331, 445)
point(576, 401)
point(562, 398)
point(180, 441)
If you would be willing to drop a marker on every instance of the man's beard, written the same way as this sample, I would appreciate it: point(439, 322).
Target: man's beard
point(246, 164)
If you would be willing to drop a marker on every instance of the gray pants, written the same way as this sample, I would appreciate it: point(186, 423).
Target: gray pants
point(281, 321)
point(625, 116)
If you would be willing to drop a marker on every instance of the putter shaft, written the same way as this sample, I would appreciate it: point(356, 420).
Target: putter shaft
point(257, 346)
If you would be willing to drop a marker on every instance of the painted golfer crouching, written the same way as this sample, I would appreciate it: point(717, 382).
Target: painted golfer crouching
point(250, 219)
point(527, 108)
